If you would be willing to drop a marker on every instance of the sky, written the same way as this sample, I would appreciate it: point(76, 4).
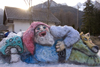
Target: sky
point(22, 4)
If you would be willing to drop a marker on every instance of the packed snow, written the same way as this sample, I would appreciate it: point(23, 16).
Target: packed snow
point(23, 64)
point(3, 42)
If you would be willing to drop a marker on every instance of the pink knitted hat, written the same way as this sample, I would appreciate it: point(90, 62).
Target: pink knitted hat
point(28, 36)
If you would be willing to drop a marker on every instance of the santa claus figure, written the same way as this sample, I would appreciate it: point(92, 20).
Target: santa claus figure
point(43, 43)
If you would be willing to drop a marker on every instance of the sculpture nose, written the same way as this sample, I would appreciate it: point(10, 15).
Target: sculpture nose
point(95, 49)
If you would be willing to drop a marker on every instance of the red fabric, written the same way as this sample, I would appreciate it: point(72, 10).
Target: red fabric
point(28, 36)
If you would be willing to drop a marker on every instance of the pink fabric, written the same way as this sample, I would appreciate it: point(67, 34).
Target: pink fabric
point(28, 36)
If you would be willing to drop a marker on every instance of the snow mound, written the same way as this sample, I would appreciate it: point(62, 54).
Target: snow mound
point(23, 64)
point(3, 42)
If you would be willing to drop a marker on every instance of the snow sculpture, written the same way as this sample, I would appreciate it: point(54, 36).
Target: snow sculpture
point(85, 52)
point(41, 43)
point(10, 47)
point(14, 42)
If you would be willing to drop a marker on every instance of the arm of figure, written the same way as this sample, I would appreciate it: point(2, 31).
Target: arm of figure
point(69, 34)
point(60, 46)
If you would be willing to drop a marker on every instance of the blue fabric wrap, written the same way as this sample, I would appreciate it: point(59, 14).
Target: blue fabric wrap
point(28, 58)
point(68, 52)
point(43, 54)
point(6, 34)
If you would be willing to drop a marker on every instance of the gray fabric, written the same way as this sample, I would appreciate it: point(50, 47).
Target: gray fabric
point(69, 34)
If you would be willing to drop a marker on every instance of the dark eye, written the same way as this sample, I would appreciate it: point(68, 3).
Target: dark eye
point(85, 39)
point(44, 27)
point(38, 28)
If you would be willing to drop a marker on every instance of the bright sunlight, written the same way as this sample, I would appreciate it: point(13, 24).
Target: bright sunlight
point(23, 5)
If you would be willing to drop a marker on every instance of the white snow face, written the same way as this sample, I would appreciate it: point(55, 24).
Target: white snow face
point(43, 36)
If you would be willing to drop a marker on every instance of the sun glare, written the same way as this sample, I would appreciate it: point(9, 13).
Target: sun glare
point(13, 3)
point(23, 7)
point(21, 3)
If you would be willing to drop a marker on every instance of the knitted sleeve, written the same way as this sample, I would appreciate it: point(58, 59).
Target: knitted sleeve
point(69, 34)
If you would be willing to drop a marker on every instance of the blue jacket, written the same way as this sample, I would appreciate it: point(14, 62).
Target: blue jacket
point(43, 54)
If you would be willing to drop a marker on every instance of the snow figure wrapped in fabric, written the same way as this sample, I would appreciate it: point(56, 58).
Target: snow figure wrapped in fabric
point(41, 43)
point(58, 44)
point(85, 51)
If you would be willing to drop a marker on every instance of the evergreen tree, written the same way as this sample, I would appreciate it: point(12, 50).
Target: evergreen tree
point(91, 19)
point(97, 22)
point(88, 17)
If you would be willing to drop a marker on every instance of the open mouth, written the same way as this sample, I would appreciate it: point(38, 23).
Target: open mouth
point(95, 49)
point(42, 34)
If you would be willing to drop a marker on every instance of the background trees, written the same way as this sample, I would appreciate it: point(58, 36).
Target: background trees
point(66, 18)
point(91, 19)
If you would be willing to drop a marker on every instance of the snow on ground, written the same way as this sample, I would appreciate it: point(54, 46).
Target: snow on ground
point(23, 64)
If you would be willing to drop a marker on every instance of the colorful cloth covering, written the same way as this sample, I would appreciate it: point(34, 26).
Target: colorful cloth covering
point(43, 54)
point(14, 42)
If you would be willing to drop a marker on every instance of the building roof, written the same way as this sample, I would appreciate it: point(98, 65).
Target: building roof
point(13, 13)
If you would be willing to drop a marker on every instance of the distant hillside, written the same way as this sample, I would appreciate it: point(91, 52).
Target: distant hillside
point(68, 9)
point(45, 4)
point(57, 8)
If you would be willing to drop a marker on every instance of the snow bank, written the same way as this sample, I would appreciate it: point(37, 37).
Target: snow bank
point(23, 64)
point(3, 42)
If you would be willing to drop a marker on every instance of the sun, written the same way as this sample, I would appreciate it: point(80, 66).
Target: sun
point(13, 3)
point(23, 7)
point(19, 3)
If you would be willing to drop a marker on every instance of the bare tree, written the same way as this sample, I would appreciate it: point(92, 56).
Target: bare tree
point(66, 18)
point(47, 5)
point(78, 6)
point(29, 4)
